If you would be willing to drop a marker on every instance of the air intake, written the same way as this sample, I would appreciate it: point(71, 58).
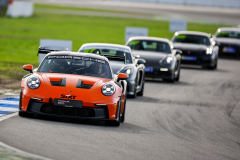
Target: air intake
point(61, 83)
point(80, 84)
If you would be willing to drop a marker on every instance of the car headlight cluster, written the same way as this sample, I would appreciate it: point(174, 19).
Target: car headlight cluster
point(128, 71)
point(33, 82)
point(108, 89)
point(209, 51)
point(167, 60)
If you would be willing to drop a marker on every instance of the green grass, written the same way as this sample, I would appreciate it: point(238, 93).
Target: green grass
point(43, 6)
point(20, 37)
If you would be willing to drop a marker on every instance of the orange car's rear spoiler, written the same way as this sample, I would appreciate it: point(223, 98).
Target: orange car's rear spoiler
point(45, 51)
point(115, 58)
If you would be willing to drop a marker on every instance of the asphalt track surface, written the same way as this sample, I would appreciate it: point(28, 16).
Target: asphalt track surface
point(155, 11)
point(197, 118)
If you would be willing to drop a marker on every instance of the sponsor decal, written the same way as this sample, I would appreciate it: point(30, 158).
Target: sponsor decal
point(68, 96)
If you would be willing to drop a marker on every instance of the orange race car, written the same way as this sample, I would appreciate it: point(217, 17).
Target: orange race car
point(69, 84)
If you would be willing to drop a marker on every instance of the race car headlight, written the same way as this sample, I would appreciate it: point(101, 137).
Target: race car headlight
point(209, 51)
point(167, 60)
point(33, 82)
point(128, 71)
point(108, 89)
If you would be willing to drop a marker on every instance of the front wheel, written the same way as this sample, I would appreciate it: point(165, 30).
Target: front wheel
point(142, 89)
point(178, 76)
point(134, 92)
point(123, 114)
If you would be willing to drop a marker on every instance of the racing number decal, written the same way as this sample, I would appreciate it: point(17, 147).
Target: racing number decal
point(67, 96)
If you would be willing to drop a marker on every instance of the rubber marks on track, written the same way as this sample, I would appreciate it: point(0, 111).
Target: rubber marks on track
point(9, 105)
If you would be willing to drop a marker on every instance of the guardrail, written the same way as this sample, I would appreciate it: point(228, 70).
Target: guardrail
point(210, 3)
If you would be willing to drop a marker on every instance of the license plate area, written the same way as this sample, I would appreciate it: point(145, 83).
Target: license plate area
point(148, 69)
point(67, 103)
point(229, 50)
point(189, 58)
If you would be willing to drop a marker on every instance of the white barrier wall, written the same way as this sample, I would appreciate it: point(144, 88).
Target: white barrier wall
point(20, 9)
point(211, 3)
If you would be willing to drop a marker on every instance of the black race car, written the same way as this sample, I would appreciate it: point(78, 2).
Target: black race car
point(198, 48)
point(121, 61)
point(228, 40)
point(161, 60)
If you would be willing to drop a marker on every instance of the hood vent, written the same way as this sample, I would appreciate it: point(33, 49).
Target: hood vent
point(80, 84)
point(61, 83)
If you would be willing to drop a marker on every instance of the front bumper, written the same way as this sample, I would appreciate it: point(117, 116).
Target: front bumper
point(204, 61)
point(168, 73)
point(90, 109)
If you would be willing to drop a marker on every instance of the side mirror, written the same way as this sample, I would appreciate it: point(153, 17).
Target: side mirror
point(122, 76)
point(216, 44)
point(28, 68)
point(141, 61)
point(179, 52)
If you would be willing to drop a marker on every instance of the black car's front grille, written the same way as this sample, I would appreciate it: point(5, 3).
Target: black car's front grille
point(193, 53)
point(83, 112)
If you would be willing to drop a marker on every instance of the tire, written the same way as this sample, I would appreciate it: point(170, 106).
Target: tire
point(134, 92)
point(142, 90)
point(123, 114)
point(178, 77)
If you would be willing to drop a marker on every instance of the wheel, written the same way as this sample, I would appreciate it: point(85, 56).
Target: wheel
point(24, 114)
point(123, 114)
point(134, 92)
point(178, 76)
point(142, 90)
point(215, 66)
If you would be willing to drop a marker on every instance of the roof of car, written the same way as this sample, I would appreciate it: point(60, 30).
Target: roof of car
point(69, 53)
point(106, 45)
point(149, 38)
point(228, 29)
point(194, 33)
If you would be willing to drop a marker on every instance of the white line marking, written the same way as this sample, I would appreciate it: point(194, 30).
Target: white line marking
point(15, 149)
point(8, 116)
point(23, 152)
point(8, 109)
point(8, 102)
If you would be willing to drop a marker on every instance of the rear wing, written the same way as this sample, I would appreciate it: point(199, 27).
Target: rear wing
point(42, 50)
point(115, 58)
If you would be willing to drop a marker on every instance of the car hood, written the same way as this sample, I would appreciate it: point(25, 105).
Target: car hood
point(228, 40)
point(152, 58)
point(190, 47)
point(74, 84)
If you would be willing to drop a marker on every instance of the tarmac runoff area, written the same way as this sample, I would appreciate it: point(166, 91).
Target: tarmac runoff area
point(7, 152)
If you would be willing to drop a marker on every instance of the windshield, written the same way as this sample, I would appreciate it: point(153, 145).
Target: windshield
point(229, 34)
point(109, 51)
point(76, 65)
point(148, 45)
point(194, 39)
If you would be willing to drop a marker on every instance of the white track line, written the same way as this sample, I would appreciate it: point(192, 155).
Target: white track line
point(8, 102)
point(9, 109)
point(8, 116)
point(15, 149)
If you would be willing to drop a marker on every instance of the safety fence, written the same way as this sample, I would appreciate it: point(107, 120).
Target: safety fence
point(210, 3)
